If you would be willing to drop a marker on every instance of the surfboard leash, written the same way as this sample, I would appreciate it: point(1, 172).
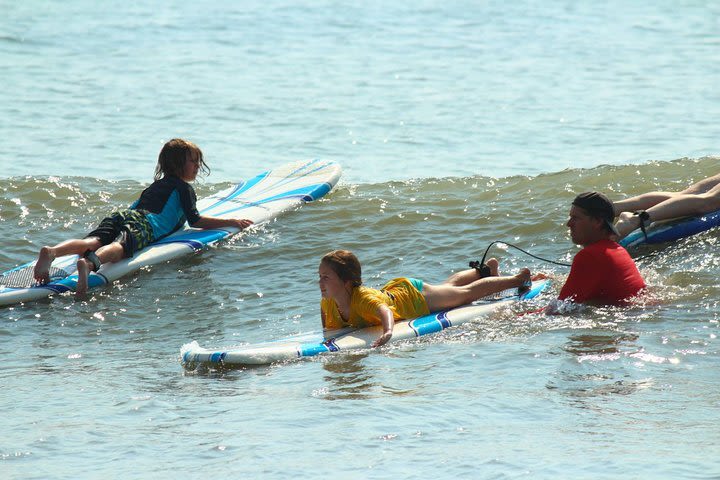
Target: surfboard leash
point(476, 264)
point(482, 262)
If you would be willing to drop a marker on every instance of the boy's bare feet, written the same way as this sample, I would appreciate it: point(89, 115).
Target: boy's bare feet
point(41, 273)
point(84, 268)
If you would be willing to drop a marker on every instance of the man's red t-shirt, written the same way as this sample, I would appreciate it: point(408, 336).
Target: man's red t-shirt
point(602, 273)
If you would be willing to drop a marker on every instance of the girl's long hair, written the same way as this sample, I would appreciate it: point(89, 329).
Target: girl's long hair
point(345, 264)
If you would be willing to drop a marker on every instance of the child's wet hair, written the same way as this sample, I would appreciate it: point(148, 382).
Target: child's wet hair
point(173, 155)
point(345, 264)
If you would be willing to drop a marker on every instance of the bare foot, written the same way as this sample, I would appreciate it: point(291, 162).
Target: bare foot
point(524, 279)
point(41, 273)
point(524, 276)
point(627, 222)
point(83, 271)
point(540, 276)
point(493, 265)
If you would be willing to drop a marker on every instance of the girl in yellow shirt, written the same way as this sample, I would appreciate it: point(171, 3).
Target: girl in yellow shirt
point(346, 302)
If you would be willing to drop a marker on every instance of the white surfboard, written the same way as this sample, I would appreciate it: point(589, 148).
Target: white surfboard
point(259, 199)
point(308, 345)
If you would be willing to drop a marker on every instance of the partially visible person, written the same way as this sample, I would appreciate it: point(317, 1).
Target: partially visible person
point(162, 208)
point(602, 272)
point(635, 212)
point(346, 302)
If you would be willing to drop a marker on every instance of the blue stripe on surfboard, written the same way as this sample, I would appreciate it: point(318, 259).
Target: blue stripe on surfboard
point(433, 323)
point(537, 289)
point(240, 188)
point(314, 191)
point(673, 230)
point(298, 173)
point(211, 357)
point(425, 325)
point(291, 177)
point(69, 283)
point(63, 284)
point(217, 357)
point(306, 194)
point(195, 239)
point(312, 349)
point(245, 186)
point(57, 287)
point(224, 199)
point(319, 192)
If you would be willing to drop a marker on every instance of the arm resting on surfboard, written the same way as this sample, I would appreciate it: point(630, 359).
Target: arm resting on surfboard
point(214, 222)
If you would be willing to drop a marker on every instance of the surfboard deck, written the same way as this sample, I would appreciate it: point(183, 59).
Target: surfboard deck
point(259, 199)
point(671, 230)
point(332, 341)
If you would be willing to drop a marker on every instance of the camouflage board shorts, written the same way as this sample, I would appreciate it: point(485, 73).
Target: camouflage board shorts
point(130, 228)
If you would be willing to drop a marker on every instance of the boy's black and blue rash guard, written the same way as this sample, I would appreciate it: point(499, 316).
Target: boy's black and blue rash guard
point(167, 204)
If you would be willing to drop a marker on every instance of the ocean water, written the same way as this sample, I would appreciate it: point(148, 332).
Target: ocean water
point(457, 124)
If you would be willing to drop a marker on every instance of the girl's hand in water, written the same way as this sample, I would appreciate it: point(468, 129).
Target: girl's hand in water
point(384, 338)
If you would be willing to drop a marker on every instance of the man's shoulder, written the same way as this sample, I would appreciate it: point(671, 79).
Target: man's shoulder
point(603, 247)
point(588, 252)
point(604, 254)
point(599, 251)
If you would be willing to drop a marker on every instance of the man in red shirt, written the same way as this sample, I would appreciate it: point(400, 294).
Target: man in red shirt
point(602, 272)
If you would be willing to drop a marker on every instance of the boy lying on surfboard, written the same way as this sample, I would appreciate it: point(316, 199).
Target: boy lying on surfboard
point(162, 209)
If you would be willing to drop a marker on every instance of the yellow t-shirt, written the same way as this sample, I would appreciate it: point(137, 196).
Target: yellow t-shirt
point(403, 299)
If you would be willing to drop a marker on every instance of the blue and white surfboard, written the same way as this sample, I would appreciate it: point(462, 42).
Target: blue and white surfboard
point(259, 199)
point(309, 345)
point(672, 230)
